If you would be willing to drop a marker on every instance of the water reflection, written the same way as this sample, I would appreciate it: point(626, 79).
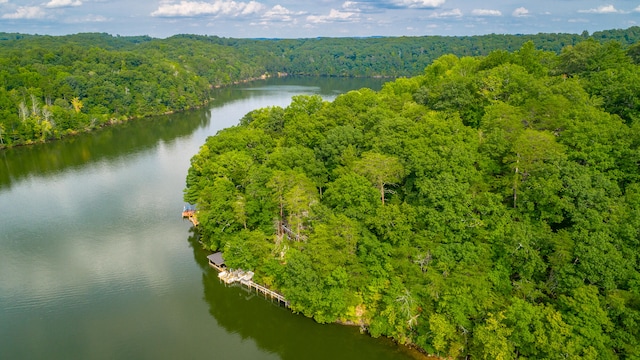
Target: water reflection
point(106, 144)
point(114, 142)
point(94, 262)
point(276, 330)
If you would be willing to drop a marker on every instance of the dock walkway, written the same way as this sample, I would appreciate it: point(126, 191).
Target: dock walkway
point(190, 212)
point(245, 278)
point(266, 292)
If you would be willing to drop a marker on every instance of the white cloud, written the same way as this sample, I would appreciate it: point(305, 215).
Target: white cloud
point(486, 12)
point(637, 9)
point(63, 3)
point(334, 16)
point(447, 14)
point(351, 6)
point(281, 13)
point(604, 9)
point(88, 19)
point(200, 8)
point(369, 7)
point(26, 12)
point(520, 12)
point(4, 1)
point(419, 4)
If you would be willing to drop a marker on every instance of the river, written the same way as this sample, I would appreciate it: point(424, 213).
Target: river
point(96, 263)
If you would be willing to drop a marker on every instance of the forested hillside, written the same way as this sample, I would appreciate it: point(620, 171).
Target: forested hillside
point(488, 207)
point(395, 56)
point(51, 86)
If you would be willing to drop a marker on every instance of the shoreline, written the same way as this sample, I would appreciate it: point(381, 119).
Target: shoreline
point(117, 121)
point(412, 350)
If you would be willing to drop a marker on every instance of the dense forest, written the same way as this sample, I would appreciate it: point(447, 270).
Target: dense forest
point(488, 207)
point(52, 86)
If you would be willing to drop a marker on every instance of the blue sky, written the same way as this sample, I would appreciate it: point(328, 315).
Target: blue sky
point(295, 19)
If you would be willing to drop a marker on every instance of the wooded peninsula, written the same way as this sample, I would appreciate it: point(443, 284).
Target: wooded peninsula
point(485, 204)
point(489, 207)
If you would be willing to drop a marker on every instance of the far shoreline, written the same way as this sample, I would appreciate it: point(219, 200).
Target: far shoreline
point(117, 121)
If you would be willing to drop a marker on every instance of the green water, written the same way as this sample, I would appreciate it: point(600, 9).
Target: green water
point(96, 263)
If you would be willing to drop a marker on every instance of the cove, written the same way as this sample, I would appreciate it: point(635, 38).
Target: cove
point(96, 262)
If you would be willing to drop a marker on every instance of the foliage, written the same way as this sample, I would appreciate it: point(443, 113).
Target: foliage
point(488, 208)
point(53, 86)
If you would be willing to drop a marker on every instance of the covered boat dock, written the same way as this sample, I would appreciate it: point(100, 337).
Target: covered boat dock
point(217, 261)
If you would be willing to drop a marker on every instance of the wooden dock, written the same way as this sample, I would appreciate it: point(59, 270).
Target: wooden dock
point(266, 292)
point(245, 278)
point(191, 215)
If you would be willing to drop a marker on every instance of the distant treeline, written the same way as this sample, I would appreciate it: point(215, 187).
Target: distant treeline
point(394, 56)
point(51, 86)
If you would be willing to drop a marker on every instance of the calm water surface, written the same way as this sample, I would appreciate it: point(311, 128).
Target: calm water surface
point(95, 261)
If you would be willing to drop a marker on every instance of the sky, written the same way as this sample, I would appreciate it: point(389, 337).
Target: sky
point(320, 18)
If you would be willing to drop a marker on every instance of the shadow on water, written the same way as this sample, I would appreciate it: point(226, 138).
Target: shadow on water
point(277, 330)
point(105, 144)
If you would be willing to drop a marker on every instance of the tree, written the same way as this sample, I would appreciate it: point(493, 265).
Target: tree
point(493, 338)
point(295, 194)
point(300, 159)
point(298, 201)
point(280, 183)
point(538, 331)
point(24, 111)
point(247, 250)
point(533, 149)
point(239, 209)
point(590, 323)
point(351, 195)
point(381, 170)
point(77, 104)
point(445, 338)
point(337, 142)
point(634, 53)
